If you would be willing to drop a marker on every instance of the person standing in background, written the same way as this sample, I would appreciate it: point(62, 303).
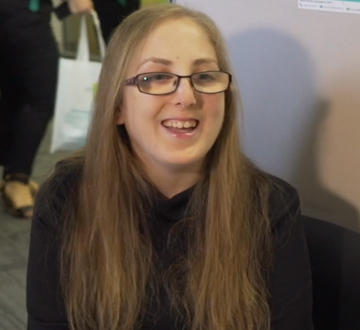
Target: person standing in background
point(28, 78)
point(111, 12)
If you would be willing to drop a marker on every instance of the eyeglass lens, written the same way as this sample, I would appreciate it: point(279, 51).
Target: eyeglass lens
point(164, 83)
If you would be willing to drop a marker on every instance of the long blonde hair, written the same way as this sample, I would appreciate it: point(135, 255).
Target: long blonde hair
point(107, 264)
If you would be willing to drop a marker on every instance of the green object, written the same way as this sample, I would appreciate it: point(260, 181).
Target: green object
point(122, 2)
point(34, 5)
point(95, 88)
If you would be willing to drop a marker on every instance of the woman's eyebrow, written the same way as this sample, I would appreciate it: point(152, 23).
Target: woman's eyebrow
point(156, 60)
point(204, 61)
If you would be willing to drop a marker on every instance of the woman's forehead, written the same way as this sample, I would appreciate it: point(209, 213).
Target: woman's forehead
point(175, 41)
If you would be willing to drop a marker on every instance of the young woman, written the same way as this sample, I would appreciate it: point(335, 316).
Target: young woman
point(161, 222)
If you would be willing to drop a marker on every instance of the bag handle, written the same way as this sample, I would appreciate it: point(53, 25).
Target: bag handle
point(83, 53)
point(99, 35)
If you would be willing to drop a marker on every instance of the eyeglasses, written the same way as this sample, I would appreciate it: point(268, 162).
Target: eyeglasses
point(162, 83)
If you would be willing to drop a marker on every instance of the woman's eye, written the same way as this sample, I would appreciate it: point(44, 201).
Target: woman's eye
point(204, 77)
point(156, 78)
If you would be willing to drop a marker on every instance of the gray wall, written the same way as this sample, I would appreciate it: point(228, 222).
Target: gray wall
point(299, 76)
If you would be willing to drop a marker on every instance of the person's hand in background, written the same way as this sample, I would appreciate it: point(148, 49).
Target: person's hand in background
point(78, 7)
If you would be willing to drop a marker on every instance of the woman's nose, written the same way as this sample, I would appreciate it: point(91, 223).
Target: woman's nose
point(185, 93)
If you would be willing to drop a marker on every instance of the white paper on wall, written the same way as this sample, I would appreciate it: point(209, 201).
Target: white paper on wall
point(350, 6)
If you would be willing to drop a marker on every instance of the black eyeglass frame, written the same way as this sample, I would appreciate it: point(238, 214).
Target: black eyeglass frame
point(133, 81)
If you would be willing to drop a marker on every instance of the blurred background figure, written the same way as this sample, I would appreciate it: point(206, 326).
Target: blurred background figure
point(111, 12)
point(28, 78)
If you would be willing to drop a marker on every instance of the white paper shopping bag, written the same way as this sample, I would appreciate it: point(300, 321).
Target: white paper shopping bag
point(75, 91)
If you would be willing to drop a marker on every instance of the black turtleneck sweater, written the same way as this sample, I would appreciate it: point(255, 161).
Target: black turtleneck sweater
point(290, 278)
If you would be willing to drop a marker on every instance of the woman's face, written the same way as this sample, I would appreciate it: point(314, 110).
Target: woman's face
point(158, 125)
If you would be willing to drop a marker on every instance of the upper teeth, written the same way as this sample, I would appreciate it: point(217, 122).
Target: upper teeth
point(180, 124)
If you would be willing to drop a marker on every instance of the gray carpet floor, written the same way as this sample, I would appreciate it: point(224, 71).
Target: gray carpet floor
point(14, 242)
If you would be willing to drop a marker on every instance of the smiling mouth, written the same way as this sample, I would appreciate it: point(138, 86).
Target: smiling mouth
point(181, 125)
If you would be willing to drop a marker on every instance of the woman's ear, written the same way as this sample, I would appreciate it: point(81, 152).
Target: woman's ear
point(119, 117)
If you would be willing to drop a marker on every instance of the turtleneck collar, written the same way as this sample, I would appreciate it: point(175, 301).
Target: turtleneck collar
point(172, 209)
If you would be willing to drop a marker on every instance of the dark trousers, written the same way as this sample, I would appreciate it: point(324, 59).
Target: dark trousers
point(28, 78)
point(111, 14)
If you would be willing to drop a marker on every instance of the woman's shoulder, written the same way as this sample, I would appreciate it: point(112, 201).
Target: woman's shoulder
point(281, 198)
point(57, 192)
point(281, 192)
point(284, 201)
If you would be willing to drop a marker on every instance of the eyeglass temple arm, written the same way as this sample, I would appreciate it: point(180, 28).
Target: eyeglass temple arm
point(131, 81)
